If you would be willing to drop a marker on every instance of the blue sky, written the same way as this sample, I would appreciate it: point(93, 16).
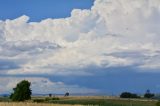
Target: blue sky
point(80, 46)
point(39, 10)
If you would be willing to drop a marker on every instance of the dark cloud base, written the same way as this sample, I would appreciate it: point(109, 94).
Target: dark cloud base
point(115, 80)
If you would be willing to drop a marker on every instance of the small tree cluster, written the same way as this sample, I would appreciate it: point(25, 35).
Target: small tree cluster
point(148, 94)
point(129, 95)
point(22, 91)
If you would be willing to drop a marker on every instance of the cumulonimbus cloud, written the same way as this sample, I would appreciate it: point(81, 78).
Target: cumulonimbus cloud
point(112, 34)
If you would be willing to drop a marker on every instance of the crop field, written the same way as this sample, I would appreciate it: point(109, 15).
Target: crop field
point(83, 101)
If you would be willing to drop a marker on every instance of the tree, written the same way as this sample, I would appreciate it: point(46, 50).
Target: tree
point(22, 91)
point(148, 94)
point(66, 94)
point(128, 95)
point(50, 95)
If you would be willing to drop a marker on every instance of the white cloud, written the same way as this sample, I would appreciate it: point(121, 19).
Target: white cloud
point(99, 37)
point(41, 85)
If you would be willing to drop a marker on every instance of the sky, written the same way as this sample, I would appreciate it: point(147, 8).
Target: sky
point(38, 10)
point(85, 47)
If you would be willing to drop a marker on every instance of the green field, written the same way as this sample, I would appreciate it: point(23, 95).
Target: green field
point(103, 101)
point(92, 100)
point(106, 102)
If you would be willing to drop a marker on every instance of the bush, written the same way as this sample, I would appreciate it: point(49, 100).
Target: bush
point(47, 99)
point(50, 99)
point(39, 100)
point(55, 98)
point(148, 95)
point(129, 95)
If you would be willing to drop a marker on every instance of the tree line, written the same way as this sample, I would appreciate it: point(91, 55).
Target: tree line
point(148, 94)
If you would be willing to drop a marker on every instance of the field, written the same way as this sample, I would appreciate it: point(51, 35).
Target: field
point(32, 104)
point(105, 101)
point(84, 101)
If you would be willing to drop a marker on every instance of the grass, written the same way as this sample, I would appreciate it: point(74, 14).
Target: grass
point(32, 104)
point(81, 101)
point(4, 99)
point(106, 102)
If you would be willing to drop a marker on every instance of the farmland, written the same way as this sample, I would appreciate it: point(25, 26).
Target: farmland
point(84, 101)
point(32, 104)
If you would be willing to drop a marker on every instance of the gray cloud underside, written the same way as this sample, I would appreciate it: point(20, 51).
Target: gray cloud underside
point(40, 85)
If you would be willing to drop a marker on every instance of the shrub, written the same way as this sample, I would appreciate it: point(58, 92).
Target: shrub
point(39, 100)
point(148, 95)
point(50, 99)
point(47, 99)
point(55, 98)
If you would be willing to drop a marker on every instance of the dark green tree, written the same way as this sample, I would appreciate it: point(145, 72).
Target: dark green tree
point(22, 91)
point(66, 94)
point(148, 94)
point(129, 95)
